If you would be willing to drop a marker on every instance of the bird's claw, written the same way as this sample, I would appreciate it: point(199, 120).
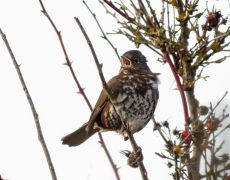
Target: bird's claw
point(134, 158)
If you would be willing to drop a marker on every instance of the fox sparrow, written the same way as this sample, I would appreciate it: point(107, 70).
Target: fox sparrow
point(132, 102)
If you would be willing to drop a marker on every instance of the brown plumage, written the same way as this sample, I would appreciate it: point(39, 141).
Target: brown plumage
point(134, 96)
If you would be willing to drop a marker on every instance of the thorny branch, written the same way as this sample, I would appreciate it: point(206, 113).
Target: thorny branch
point(81, 90)
point(105, 86)
point(32, 106)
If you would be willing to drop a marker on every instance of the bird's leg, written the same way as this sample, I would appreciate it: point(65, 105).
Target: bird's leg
point(135, 157)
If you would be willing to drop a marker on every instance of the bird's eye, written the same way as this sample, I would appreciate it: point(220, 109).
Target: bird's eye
point(135, 60)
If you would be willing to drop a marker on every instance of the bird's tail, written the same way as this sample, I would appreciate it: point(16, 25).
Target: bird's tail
point(79, 136)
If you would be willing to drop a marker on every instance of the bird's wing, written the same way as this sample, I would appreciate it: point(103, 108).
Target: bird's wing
point(114, 86)
point(101, 102)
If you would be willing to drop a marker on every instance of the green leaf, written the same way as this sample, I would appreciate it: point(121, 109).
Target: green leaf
point(199, 15)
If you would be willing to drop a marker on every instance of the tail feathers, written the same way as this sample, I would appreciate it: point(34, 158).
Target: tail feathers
point(79, 136)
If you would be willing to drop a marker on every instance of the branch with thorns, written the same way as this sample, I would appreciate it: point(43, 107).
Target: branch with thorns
point(81, 90)
point(32, 107)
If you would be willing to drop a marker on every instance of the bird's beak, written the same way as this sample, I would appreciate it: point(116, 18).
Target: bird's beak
point(125, 62)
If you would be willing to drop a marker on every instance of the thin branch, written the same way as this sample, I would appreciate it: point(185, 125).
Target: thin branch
point(110, 3)
point(99, 66)
point(164, 156)
point(176, 168)
point(105, 86)
point(153, 14)
point(81, 90)
point(160, 131)
point(68, 62)
point(218, 103)
point(32, 106)
point(104, 35)
point(142, 7)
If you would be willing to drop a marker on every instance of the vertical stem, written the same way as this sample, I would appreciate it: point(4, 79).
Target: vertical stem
point(32, 106)
point(183, 98)
point(176, 168)
point(179, 86)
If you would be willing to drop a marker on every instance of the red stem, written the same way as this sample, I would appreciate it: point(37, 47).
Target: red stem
point(142, 7)
point(118, 10)
point(179, 85)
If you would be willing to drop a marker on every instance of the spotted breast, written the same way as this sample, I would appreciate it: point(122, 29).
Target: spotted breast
point(132, 99)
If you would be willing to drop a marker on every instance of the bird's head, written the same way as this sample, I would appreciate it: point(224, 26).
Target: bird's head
point(133, 60)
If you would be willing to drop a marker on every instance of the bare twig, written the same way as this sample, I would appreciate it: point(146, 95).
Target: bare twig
point(32, 106)
point(104, 35)
point(176, 168)
point(160, 131)
point(218, 103)
point(109, 3)
point(105, 86)
point(68, 62)
point(81, 90)
point(145, 12)
point(99, 66)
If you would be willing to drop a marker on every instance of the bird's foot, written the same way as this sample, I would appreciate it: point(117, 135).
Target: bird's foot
point(134, 158)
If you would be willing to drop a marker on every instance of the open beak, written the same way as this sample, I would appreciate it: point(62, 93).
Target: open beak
point(125, 62)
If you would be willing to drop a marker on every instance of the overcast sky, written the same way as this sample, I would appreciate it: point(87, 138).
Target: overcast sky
point(61, 109)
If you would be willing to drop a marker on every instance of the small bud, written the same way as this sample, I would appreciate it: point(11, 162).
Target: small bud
point(182, 17)
point(165, 124)
point(186, 137)
point(203, 110)
point(169, 164)
point(215, 46)
point(213, 18)
point(156, 126)
point(176, 132)
point(212, 124)
point(199, 38)
point(177, 149)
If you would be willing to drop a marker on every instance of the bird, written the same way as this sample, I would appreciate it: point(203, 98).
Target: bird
point(129, 105)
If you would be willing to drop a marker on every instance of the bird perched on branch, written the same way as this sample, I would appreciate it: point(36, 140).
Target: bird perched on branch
point(132, 99)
